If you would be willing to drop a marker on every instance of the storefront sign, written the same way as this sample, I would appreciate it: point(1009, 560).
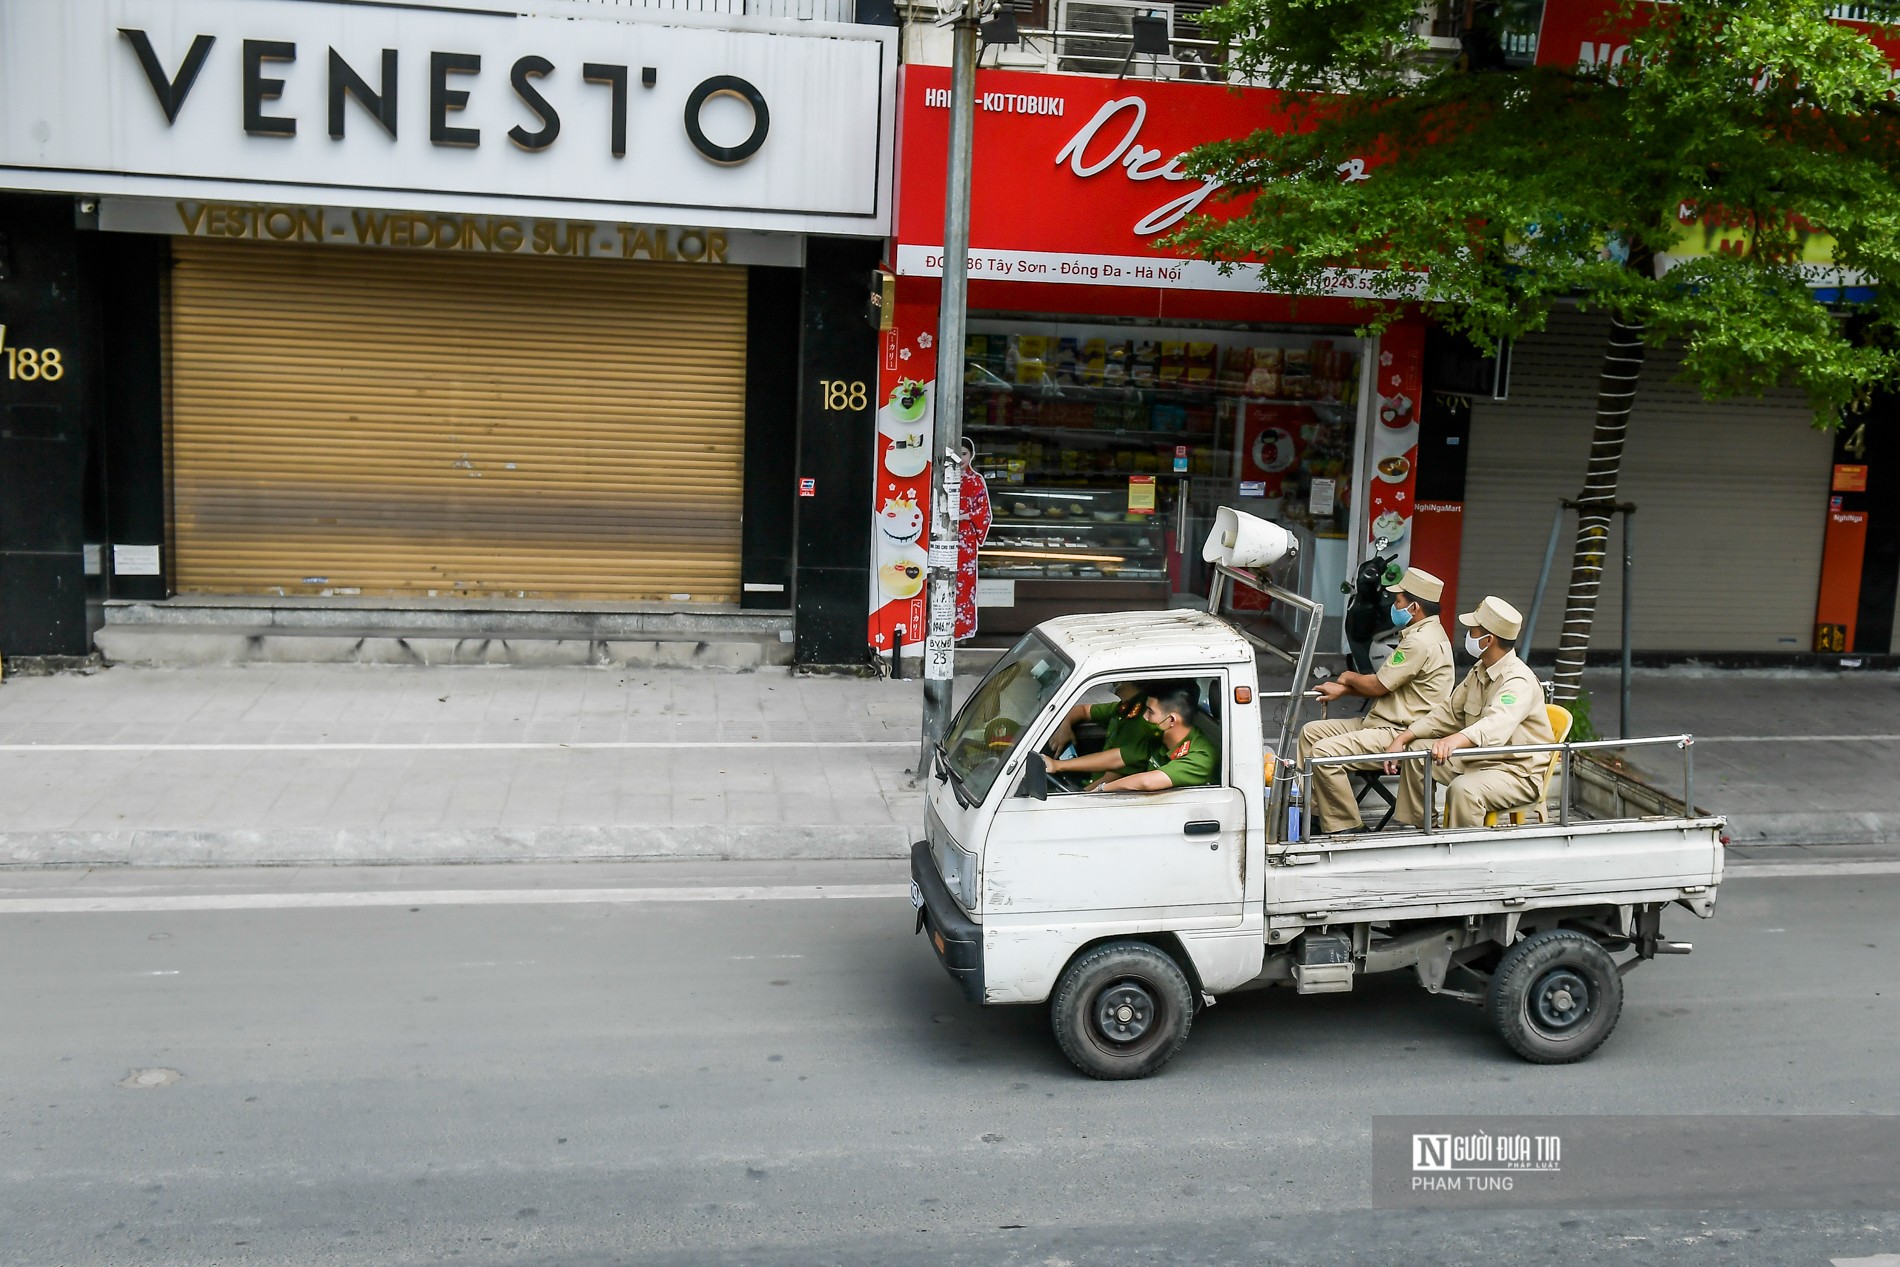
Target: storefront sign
point(1391, 454)
point(1592, 34)
point(1066, 268)
point(451, 110)
point(901, 501)
point(1837, 604)
point(439, 231)
point(1077, 178)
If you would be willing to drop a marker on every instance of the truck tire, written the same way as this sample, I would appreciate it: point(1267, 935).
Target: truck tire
point(1122, 1010)
point(1556, 996)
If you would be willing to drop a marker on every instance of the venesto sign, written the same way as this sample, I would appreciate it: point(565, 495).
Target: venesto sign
point(355, 102)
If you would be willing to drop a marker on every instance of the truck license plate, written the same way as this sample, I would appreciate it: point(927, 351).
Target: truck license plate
point(916, 897)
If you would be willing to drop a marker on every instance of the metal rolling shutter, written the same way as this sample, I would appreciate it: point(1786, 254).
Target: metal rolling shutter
point(396, 423)
point(1729, 501)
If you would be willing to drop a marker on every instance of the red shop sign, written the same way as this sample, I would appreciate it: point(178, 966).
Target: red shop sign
point(1075, 177)
point(1591, 33)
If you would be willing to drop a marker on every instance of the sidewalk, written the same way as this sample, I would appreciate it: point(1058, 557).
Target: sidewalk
point(372, 764)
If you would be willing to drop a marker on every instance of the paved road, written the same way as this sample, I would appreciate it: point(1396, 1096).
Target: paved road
point(369, 764)
point(536, 1080)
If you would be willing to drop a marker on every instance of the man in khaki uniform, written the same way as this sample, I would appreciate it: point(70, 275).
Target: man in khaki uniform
point(1414, 678)
point(1498, 703)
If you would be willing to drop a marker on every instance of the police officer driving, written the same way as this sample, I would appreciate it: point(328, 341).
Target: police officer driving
point(1131, 738)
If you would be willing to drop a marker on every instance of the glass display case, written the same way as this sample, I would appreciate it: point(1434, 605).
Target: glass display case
point(1072, 534)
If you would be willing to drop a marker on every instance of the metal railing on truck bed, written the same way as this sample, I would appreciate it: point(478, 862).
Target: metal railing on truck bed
point(1567, 767)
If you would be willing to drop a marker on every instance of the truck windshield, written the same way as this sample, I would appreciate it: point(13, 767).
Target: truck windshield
point(987, 729)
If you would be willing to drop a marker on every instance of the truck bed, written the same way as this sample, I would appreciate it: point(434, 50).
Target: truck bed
point(1411, 875)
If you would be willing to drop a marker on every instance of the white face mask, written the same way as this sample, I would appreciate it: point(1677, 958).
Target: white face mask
point(1473, 647)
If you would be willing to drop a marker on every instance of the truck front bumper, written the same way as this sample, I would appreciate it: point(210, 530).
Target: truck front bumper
point(957, 939)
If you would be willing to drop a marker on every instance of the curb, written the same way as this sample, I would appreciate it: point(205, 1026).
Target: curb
point(296, 848)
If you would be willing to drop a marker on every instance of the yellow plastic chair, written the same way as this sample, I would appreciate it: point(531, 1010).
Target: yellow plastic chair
point(1560, 723)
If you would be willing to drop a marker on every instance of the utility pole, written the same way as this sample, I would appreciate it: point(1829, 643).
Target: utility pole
point(940, 644)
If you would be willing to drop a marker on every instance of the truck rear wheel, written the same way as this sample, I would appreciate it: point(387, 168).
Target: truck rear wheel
point(1556, 996)
point(1122, 1010)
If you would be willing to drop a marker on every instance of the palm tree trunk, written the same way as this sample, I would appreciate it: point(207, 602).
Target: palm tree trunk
point(1616, 393)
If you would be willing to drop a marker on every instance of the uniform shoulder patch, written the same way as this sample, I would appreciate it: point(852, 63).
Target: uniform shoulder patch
point(1182, 751)
point(1509, 697)
point(1398, 657)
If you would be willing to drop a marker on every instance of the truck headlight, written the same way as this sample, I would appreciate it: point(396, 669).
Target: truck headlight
point(959, 872)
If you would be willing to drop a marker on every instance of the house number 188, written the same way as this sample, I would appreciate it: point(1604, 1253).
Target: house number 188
point(840, 394)
point(32, 365)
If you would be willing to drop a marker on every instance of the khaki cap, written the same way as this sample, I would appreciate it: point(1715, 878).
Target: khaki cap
point(1495, 616)
point(1419, 584)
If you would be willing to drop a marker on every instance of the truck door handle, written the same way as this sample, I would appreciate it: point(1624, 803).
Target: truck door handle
point(1202, 827)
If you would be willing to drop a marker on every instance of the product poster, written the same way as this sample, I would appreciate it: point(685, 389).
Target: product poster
point(907, 372)
point(1270, 445)
point(1393, 449)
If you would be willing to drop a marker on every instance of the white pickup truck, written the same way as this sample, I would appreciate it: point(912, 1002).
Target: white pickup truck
point(1127, 912)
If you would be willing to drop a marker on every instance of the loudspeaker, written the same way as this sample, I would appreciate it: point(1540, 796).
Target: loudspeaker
point(1240, 540)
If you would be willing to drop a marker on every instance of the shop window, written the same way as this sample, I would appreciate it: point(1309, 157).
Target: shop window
point(1108, 449)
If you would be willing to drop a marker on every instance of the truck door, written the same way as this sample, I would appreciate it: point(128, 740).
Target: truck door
point(1168, 860)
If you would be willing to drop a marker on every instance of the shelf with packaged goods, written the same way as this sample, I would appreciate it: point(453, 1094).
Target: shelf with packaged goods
point(1103, 434)
point(1142, 393)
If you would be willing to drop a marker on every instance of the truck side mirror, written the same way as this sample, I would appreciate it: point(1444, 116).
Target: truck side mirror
point(1035, 779)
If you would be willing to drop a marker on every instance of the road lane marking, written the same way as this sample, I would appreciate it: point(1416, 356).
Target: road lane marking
point(105, 904)
point(648, 745)
point(1798, 739)
point(1739, 870)
point(609, 745)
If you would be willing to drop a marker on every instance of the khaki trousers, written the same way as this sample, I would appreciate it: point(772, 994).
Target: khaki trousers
point(1471, 791)
point(1335, 808)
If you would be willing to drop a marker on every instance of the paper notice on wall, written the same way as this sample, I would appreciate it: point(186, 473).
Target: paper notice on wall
point(94, 557)
point(135, 560)
point(1141, 494)
point(990, 593)
point(1321, 497)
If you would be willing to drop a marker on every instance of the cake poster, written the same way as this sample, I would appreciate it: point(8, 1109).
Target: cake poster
point(901, 490)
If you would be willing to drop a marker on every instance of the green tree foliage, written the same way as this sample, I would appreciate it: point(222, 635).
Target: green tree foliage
point(1498, 192)
point(1519, 189)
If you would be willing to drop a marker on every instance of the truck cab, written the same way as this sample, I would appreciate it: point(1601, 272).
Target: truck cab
point(1129, 912)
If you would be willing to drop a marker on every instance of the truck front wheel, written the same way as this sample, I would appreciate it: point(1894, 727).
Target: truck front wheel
point(1122, 1010)
point(1556, 996)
